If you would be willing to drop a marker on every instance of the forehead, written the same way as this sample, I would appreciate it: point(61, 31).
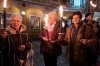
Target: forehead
point(90, 15)
point(16, 18)
point(74, 16)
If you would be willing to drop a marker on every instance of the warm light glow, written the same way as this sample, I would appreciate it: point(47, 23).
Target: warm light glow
point(23, 12)
point(61, 11)
point(5, 3)
point(46, 20)
point(94, 5)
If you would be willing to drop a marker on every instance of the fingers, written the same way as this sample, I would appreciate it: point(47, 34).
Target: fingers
point(83, 41)
point(3, 33)
point(60, 37)
point(22, 47)
point(45, 39)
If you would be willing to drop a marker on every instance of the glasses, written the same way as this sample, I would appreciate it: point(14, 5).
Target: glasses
point(16, 21)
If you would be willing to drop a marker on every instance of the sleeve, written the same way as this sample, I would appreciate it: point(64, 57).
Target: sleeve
point(41, 35)
point(91, 37)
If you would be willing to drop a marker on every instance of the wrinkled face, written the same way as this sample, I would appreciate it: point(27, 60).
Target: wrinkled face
point(52, 19)
point(15, 22)
point(76, 19)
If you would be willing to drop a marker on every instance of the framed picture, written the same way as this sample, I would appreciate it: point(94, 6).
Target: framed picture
point(35, 22)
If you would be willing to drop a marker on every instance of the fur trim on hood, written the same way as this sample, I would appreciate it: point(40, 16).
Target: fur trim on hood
point(13, 31)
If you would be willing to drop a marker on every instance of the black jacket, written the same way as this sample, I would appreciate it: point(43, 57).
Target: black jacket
point(9, 46)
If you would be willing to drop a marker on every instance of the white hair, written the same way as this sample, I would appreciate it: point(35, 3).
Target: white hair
point(52, 13)
point(13, 15)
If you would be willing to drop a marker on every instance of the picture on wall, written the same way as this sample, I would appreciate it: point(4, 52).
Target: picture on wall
point(35, 22)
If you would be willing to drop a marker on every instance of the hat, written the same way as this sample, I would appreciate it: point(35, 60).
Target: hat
point(87, 14)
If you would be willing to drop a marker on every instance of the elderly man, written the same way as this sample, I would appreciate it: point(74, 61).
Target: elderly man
point(14, 42)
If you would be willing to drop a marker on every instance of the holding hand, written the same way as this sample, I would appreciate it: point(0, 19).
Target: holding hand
point(83, 41)
point(21, 47)
point(3, 33)
point(60, 37)
point(45, 39)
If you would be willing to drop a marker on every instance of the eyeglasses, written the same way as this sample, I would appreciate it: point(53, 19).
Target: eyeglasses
point(16, 21)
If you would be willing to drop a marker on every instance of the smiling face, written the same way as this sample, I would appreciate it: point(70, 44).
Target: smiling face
point(76, 19)
point(52, 18)
point(15, 22)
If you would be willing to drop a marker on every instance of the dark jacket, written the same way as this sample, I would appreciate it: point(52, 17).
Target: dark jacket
point(79, 49)
point(9, 46)
point(47, 47)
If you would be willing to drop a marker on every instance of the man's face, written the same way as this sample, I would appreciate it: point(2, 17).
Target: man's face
point(76, 19)
point(15, 22)
point(89, 17)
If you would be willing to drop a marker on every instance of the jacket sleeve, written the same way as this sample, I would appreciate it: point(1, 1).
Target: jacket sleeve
point(41, 35)
point(91, 37)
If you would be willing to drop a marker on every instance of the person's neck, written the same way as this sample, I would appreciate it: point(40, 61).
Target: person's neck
point(76, 25)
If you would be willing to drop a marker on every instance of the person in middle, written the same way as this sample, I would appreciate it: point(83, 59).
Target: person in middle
point(50, 47)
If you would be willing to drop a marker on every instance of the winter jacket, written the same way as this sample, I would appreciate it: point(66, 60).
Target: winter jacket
point(47, 47)
point(79, 48)
point(9, 46)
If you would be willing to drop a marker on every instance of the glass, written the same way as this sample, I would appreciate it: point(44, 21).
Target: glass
point(16, 21)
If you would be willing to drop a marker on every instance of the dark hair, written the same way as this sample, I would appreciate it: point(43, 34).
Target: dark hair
point(77, 13)
point(87, 14)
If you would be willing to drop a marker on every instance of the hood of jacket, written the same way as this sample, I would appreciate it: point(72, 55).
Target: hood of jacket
point(13, 31)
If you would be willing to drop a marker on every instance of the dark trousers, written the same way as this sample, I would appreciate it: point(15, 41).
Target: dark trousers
point(50, 60)
point(73, 63)
point(77, 64)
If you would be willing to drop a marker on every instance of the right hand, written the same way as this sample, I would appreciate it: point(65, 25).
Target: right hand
point(3, 33)
point(21, 47)
point(45, 39)
point(60, 37)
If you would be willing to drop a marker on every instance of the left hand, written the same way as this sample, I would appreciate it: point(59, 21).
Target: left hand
point(21, 47)
point(83, 41)
point(52, 42)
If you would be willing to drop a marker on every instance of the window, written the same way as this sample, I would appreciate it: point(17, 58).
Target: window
point(35, 22)
point(2, 20)
point(82, 2)
point(71, 2)
point(77, 3)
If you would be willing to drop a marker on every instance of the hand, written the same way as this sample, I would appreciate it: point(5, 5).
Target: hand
point(83, 41)
point(3, 33)
point(52, 42)
point(21, 47)
point(45, 27)
point(45, 39)
point(60, 37)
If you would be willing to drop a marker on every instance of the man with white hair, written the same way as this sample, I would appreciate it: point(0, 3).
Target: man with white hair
point(14, 42)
